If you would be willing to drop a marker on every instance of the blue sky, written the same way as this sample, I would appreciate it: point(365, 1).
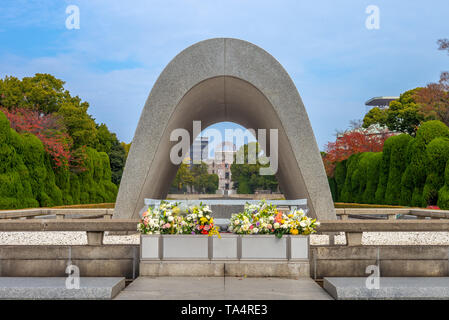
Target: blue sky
point(337, 64)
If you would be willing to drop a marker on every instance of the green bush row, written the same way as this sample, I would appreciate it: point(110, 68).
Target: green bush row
point(27, 178)
point(409, 171)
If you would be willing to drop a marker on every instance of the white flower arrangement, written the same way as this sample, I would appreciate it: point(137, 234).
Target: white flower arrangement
point(168, 218)
point(264, 218)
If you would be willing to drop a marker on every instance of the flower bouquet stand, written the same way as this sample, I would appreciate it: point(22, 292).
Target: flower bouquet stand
point(262, 242)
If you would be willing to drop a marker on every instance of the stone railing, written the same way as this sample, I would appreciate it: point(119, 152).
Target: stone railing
point(59, 213)
point(94, 228)
point(391, 213)
point(354, 229)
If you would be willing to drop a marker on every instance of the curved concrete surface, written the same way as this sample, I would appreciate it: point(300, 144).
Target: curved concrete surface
point(223, 80)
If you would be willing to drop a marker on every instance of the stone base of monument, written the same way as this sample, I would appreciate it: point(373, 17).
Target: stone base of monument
point(43, 288)
point(295, 270)
point(227, 255)
point(226, 247)
point(390, 288)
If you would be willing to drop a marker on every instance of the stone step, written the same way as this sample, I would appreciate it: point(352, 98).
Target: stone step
point(43, 288)
point(222, 288)
point(390, 288)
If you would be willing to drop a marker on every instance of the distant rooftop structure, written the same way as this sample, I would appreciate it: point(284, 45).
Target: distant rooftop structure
point(381, 102)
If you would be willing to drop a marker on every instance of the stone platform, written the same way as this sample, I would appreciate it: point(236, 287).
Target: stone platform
point(222, 288)
point(43, 288)
point(391, 288)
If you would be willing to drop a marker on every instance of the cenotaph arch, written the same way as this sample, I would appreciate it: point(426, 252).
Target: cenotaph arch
point(220, 80)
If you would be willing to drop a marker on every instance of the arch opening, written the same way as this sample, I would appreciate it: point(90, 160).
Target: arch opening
point(225, 99)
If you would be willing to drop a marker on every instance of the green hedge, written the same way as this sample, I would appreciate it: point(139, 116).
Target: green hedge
point(372, 177)
point(443, 194)
point(397, 166)
point(409, 171)
point(359, 177)
point(333, 187)
point(340, 177)
point(383, 172)
point(96, 180)
point(437, 156)
point(351, 186)
point(27, 178)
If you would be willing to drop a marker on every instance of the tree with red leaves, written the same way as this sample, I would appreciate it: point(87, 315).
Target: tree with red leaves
point(434, 98)
point(48, 128)
point(352, 142)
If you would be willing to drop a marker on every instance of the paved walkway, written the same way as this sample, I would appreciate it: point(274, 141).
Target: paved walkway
point(222, 288)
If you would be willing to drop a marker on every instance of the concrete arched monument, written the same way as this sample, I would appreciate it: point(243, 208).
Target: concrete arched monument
point(223, 80)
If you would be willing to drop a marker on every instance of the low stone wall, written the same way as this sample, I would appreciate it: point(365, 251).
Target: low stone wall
point(394, 261)
point(51, 261)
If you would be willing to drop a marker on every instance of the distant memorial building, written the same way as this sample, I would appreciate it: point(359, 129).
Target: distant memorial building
point(221, 166)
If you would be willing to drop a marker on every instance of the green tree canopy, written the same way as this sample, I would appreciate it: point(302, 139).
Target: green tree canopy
point(30, 176)
point(403, 115)
point(42, 92)
point(246, 176)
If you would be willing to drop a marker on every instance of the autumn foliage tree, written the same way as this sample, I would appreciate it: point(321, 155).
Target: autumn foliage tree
point(52, 152)
point(415, 106)
point(434, 98)
point(352, 142)
point(413, 167)
point(47, 128)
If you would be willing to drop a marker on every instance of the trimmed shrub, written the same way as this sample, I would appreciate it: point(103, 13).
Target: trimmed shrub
point(340, 177)
point(430, 130)
point(372, 177)
point(408, 178)
point(27, 178)
point(62, 176)
point(408, 172)
point(333, 187)
point(415, 175)
point(383, 172)
point(437, 156)
point(407, 186)
point(398, 164)
point(359, 177)
point(4, 129)
point(75, 188)
point(34, 159)
point(350, 188)
point(96, 180)
point(443, 194)
point(15, 183)
point(51, 188)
